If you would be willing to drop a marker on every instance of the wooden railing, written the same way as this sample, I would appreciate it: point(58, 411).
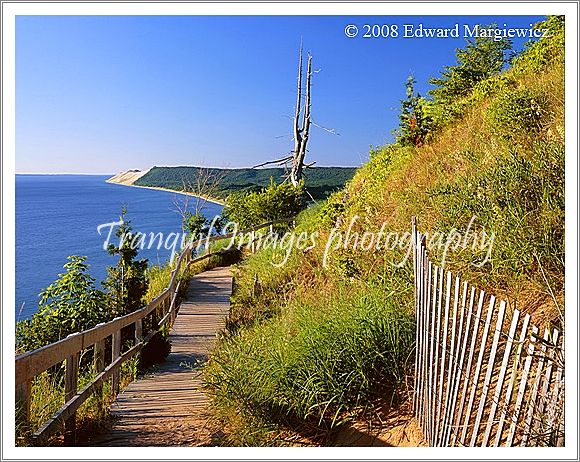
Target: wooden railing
point(162, 310)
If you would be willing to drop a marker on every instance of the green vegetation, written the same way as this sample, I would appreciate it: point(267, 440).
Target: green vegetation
point(316, 361)
point(310, 347)
point(319, 181)
point(481, 59)
point(276, 202)
point(126, 283)
point(414, 124)
point(71, 304)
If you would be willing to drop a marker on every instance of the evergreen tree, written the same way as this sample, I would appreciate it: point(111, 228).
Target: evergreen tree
point(126, 282)
point(413, 125)
point(481, 58)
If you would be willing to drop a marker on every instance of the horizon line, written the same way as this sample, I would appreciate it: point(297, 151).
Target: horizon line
point(171, 166)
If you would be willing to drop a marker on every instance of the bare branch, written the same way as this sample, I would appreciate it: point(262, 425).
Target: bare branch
point(332, 131)
point(204, 186)
point(307, 192)
point(284, 160)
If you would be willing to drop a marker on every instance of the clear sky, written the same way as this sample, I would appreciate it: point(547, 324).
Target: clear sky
point(101, 94)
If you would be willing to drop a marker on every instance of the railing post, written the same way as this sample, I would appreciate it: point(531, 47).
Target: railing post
point(138, 331)
point(154, 318)
point(173, 306)
point(172, 309)
point(116, 352)
point(252, 247)
point(70, 389)
point(99, 363)
point(23, 403)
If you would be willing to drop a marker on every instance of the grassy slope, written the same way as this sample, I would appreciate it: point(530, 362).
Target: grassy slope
point(320, 181)
point(309, 347)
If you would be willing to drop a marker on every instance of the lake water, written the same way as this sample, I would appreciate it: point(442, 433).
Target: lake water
point(58, 215)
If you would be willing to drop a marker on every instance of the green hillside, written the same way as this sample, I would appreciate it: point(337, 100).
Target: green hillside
point(311, 346)
point(320, 181)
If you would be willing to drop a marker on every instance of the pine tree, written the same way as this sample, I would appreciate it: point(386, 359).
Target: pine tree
point(413, 125)
point(126, 282)
point(480, 59)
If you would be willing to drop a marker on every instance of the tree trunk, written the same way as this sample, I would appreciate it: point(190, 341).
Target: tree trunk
point(301, 133)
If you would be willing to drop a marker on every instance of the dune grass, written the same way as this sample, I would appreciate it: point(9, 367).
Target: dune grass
point(311, 347)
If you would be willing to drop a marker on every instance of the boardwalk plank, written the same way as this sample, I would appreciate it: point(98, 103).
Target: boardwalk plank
point(168, 407)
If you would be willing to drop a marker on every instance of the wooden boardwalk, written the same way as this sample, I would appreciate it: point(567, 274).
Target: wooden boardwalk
point(168, 407)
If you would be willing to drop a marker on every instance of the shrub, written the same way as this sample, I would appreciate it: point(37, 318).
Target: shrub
point(154, 352)
point(492, 86)
point(516, 115)
point(414, 124)
point(538, 55)
point(332, 209)
point(277, 201)
point(70, 304)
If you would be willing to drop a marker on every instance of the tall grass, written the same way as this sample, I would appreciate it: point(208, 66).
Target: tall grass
point(47, 397)
point(318, 362)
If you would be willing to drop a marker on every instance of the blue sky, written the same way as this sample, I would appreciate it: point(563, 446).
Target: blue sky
point(101, 94)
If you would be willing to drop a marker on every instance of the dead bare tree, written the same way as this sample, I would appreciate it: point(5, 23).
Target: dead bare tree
point(201, 188)
point(302, 120)
point(301, 129)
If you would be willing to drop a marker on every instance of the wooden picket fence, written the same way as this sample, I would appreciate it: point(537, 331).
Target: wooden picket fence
point(484, 376)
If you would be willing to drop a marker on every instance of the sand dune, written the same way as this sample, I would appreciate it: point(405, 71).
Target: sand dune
point(128, 177)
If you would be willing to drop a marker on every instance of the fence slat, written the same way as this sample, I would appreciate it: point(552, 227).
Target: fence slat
point(431, 305)
point(553, 405)
point(522, 387)
point(420, 339)
point(541, 408)
point(441, 380)
point(449, 374)
point(501, 378)
point(425, 298)
point(476, 321)
point(421, 351)
point(435, 372)
point(417, 317)
point(508, 393)
point(418, 283)
point(534, 396)
point(425, 290)
point(458, 354)
point(475, 382)
point(116, 352)
point(489, 372)
point(99, 365)
point(70, 389)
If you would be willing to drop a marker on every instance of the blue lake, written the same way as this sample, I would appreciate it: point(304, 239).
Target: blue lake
point(58, 216)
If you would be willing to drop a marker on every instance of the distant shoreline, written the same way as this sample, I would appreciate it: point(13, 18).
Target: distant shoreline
point(185, 193)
